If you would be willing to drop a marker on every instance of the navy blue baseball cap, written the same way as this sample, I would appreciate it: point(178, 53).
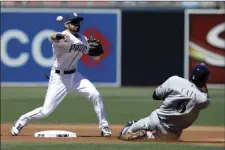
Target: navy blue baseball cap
point(72, 16)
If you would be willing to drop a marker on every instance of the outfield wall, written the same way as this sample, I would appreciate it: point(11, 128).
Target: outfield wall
point(142, 47)
point(152, 46)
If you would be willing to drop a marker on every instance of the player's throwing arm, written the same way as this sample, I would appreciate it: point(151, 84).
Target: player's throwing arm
point(68, 47)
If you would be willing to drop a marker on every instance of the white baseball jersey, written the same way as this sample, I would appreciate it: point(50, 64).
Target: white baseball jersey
point(67, 54)
point(182, 102)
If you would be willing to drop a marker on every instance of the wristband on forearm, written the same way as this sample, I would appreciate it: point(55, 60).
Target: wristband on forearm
point(59, 36)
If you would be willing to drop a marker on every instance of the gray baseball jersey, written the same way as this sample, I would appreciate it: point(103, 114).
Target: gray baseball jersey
point(182, 102)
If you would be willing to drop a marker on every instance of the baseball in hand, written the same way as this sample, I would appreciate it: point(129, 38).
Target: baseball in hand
point(59, 18)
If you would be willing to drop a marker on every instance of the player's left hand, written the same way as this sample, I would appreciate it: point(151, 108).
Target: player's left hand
point(95, 47)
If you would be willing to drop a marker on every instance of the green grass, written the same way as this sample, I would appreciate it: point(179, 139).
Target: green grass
point(83, 146)
point(121, 104)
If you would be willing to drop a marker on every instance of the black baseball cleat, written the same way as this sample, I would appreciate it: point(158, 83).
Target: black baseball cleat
point(129, 123)
point(106, 132)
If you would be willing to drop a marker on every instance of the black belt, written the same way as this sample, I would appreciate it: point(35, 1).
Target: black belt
point(65, 72)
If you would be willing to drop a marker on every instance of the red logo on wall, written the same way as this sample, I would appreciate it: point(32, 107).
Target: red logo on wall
point(87, 60)
point(207, 44)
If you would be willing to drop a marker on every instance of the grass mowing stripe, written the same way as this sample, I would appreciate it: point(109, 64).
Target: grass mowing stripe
point(96, 146)
point(122, 104)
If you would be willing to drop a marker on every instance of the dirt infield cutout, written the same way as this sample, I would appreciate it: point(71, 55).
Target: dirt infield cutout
point(89, 133)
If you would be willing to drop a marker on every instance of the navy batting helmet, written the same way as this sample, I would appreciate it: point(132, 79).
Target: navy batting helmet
point(200, 74)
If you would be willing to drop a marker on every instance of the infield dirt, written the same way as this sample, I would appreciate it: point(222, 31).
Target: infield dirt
point(90, 133)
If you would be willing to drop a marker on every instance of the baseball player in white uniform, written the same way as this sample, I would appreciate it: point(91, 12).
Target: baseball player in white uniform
point(68, 47)
point(182, 101)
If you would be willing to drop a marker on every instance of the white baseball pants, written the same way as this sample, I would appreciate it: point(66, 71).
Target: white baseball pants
point(58, 87)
